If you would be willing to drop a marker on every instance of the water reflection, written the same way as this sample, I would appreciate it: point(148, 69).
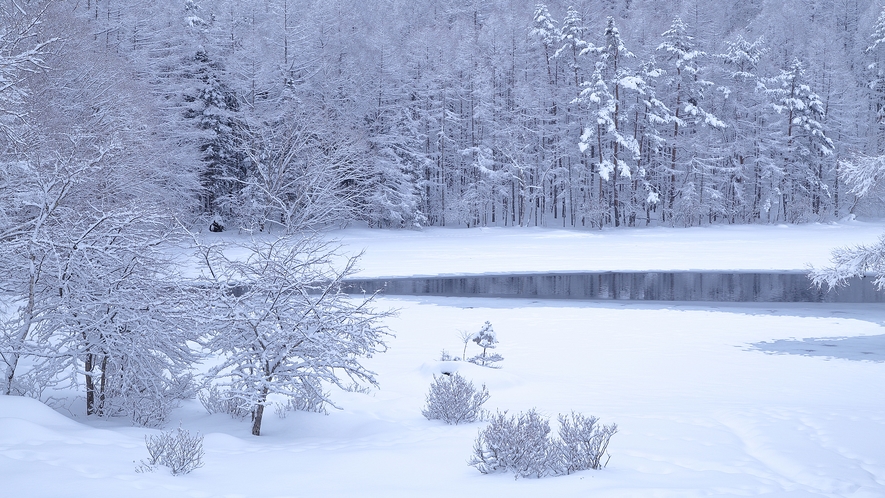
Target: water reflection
point(782, 287)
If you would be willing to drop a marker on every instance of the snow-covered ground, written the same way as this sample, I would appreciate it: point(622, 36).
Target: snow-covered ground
point(711, 400)
point(436, 251)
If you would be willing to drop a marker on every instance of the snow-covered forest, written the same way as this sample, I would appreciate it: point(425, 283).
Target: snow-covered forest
point(186, 185)
point(465, 113)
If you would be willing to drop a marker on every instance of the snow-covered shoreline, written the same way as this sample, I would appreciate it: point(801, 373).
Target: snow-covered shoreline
point(440, 251)
point(711, 399)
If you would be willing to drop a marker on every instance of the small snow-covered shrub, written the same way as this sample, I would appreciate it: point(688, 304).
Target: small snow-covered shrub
point(146, 411)
point(486, 339)
point(454, 400)
point(215, 400)
point(522, 444)
point(582, 442)
point(151, 408)
point(178, 450)
point(302, 404)
point(487, 360)
point(309, 397)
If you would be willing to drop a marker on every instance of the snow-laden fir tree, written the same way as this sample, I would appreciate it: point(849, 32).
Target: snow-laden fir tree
point(804, 147)
point(684, 89)
point(487, 340)
point(744, 146)
point(607, 132)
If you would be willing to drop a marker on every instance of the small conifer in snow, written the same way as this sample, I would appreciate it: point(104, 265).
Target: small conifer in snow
point(486, 339)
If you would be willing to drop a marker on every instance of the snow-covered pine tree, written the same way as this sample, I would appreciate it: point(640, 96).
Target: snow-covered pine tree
point(652, 118)
point(607, 133)
point(393, 196)
point(545, 31)
point(572, 53)
point(486, 339)
point(804, 147)
point(744, 143)
point(684, 90)
point(875, 75)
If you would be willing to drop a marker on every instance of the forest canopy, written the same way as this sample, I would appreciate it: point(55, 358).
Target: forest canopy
point(601, 113)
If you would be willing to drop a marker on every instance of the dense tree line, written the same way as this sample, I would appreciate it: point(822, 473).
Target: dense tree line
point(460, 113)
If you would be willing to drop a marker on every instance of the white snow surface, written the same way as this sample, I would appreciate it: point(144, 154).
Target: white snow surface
point(434, 251)
point(701, 412)
point(710, 399)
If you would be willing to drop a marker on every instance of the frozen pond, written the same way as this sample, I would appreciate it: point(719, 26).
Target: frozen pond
point(722, 286)
point(863, 348)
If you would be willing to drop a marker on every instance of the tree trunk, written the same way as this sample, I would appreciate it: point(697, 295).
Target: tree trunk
point(259, 413)
point(90, 385)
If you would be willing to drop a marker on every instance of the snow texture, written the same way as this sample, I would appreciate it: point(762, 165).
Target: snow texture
point(440, 251)
point(699, 412)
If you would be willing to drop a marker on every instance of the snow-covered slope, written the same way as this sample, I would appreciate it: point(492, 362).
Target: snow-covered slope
point(435, 251)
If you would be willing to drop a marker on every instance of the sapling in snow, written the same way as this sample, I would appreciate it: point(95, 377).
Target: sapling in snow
point(465, 338)
point(486, 339)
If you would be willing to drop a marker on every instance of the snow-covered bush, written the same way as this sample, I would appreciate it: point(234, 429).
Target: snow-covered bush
point(309, 397)
point(522, 444)
point(486, 339)
point(454, 400)
point(178, 450)
point(146, 405)
point(216, 400)
point(582, 442)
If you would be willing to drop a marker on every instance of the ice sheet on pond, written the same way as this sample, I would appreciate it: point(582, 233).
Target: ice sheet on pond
point(864, 348)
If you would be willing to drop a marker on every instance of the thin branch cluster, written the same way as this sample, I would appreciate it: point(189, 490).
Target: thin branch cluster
point(522, 444)
point(178, 450)
point(454, 400)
